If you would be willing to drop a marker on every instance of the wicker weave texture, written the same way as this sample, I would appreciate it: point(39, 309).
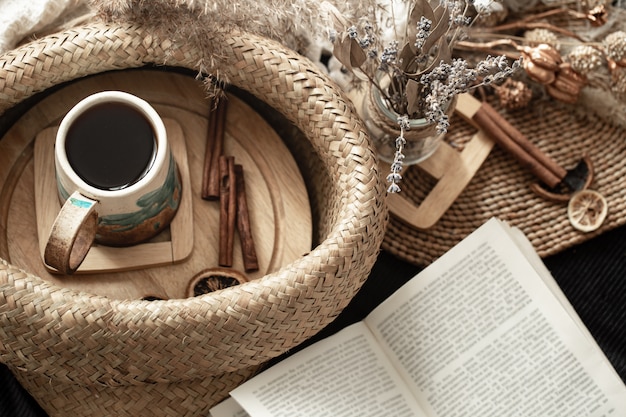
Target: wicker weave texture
point(85, 354)
point(501, 187)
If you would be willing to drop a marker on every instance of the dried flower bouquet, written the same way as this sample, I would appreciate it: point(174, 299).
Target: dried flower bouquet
point(413, 53)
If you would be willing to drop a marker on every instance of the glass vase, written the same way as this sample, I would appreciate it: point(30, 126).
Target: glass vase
point(422, 139)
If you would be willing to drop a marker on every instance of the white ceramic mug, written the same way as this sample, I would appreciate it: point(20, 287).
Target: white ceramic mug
point(116, 177)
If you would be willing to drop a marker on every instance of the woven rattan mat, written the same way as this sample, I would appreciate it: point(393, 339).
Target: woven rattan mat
point(501, 187)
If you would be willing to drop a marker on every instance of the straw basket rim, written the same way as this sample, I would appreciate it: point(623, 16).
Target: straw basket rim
point(88, 339)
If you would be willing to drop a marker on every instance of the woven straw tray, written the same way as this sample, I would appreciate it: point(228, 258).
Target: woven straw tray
point(80, 353)
point(277, 196)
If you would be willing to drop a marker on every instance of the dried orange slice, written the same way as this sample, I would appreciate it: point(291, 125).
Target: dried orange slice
point(587, 210)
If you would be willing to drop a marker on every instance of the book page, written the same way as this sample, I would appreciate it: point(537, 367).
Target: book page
point(479, 332)
point(343, 375)
point(228, 408)
point(533, 258)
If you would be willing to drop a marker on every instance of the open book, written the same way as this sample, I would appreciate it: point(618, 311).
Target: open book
point(483, 331)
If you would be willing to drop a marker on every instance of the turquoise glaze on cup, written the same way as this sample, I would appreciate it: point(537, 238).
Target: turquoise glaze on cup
point(154, 211)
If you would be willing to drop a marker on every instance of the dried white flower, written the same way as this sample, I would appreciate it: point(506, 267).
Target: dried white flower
point(536, 37)
point(448, 80)
point(424, 26)
point(403, 122)
point(585, 59)
point(615, 45)
point(395, 175)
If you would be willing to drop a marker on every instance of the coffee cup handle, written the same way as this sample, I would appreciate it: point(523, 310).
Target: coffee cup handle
point(72, 234)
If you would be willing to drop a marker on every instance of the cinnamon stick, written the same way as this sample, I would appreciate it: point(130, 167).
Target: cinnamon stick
point(523, 141)
point(491, 128)
point(228, 209)
point(213, 151)
point(250, 261)
point(208, 151)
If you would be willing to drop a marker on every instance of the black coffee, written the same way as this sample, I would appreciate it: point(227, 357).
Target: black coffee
point(110, 146)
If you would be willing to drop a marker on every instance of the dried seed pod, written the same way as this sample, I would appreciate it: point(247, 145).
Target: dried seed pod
point(569, 80)
point(541, 62)
point(598, 16)
point(545, 56)
point(513, 94)
point(560, 95)
point(567, 84)
point(539, 73)
point(567, 71)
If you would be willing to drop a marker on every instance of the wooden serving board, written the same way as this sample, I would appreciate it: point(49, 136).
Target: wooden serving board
point(174, 245)
point(280, 213)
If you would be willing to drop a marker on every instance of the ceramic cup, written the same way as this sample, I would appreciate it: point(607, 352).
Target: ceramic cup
point(116, 177)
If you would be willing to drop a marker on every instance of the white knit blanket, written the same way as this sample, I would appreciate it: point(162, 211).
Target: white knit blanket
point(22, 18)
